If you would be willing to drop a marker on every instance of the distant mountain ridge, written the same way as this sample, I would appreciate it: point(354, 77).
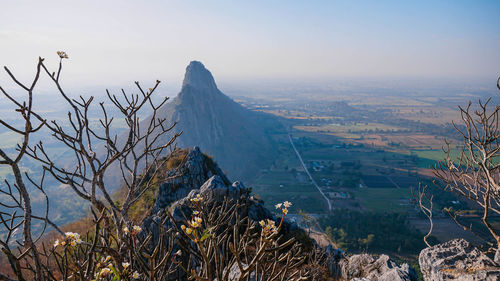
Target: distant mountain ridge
point(218, 125)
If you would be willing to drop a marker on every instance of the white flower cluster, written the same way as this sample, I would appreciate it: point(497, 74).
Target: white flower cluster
point(135, 230)
point(194, 223)
point(283, 207)
point(268, 227)
point(70, 238)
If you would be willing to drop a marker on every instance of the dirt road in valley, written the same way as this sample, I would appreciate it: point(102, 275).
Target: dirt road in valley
point(309, 174)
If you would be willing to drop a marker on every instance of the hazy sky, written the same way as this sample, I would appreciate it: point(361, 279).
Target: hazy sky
point(113, 42)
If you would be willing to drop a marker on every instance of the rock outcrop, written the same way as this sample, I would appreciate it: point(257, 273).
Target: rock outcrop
point(198, 174)
point(196, 168)
point(221, 127)
point(457, 260)
point(369, 268)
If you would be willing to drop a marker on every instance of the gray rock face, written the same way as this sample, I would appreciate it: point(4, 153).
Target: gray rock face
point(195, 170)
point(221, 127)
point(215, 190)
point(198, 174)
point(366, 267)
point(197, 76)
point(457, 260)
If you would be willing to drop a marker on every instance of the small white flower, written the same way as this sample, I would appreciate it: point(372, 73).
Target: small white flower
point(105, 271)
point(194, 224)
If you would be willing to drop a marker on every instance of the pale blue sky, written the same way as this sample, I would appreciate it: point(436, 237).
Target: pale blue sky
point(114, 42)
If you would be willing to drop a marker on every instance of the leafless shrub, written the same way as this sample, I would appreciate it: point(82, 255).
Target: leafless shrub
point(221, 244)
point(426, 205)
point(96, 149)
point(473, 175)
point(113, 247)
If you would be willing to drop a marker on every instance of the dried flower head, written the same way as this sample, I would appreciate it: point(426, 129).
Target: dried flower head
point(62, 54)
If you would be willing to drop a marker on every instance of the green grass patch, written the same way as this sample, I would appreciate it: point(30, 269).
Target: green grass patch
point(383, 200)
point(435, 154)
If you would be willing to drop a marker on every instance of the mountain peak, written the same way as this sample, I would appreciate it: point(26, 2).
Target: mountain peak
point(198, 76)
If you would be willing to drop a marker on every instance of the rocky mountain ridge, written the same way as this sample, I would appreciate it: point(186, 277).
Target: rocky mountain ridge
point(198, 174)
point(218, 125)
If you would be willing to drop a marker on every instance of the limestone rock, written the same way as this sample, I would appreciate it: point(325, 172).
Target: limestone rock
point(196, 169)
point(366, 267)
point(221, 127)
point(457, 260)
point(215, 190)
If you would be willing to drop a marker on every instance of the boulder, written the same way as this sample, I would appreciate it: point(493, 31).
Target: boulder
point(215, 189)
point(366, 267)
point(457, 260)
